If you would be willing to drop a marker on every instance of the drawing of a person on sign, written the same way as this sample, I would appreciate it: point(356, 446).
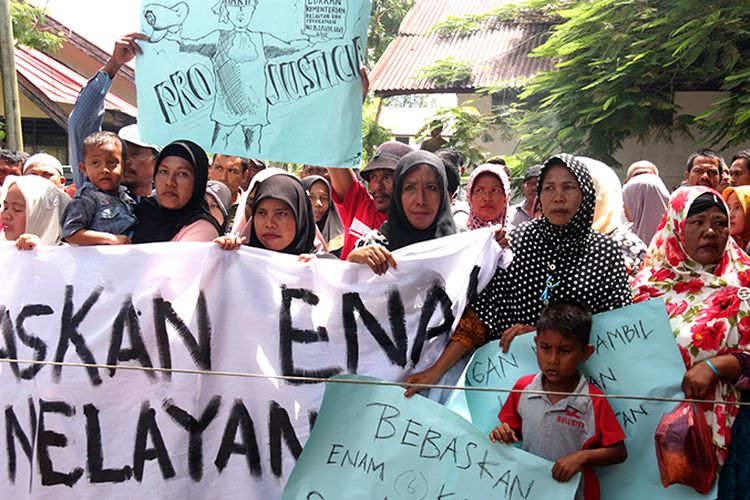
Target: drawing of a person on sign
point(239, 64)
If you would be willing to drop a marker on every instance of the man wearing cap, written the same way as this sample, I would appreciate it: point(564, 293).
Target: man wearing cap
point(253, 167)
point(522, 212)
point(362, 210)
point(88, 114)
point(46, 166)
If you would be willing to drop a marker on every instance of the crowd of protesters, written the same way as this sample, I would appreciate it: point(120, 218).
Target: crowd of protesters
point(578, 235)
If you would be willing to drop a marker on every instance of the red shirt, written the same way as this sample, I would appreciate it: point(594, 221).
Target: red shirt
point(552, 431)
point(359, 215)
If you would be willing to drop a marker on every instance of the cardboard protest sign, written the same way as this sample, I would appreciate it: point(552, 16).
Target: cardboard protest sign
point(372, 442)
point(74, 432)
point(635, 354)
point(270, 79)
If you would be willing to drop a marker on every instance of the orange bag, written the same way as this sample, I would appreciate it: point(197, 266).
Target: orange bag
point(685, 450)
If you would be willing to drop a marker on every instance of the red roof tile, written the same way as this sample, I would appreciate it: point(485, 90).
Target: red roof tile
point(498, 52)
point(58, 82)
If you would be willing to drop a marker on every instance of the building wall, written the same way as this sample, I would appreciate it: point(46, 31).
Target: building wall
point(669, 157)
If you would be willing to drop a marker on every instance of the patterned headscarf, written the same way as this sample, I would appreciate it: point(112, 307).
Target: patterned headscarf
point(475, 221)
point(706, 312)
point(551, 263)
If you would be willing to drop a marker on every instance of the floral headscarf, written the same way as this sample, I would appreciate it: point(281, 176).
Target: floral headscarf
point(706, 312)
point(475, 221)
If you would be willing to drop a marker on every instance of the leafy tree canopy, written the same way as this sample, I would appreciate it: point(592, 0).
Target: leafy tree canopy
point(29, 28)
point(619, 64)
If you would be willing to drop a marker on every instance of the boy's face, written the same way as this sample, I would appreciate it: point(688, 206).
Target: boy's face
point(103, 166)
point(558, 356)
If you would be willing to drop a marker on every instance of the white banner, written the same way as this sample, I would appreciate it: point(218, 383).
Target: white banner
point(74, 432)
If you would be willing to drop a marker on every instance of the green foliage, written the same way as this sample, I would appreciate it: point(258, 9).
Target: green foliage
point(618, 66)
point(534, 11)
point(28, 28)
point(447, 72)
point(385, 19)
point(373, 134)
point(467, 126)
point(458, 25)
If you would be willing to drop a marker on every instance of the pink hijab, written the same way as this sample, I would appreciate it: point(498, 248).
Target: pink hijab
point(475, 221)
point(645, 197)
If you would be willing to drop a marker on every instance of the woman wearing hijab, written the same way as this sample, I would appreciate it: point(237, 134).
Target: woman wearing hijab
point(738, 199)
point(32, 208)
point(420, 210)
point(609, 214)
point(219, 198)
point(489, 199)
point(556, 258)
point(645, 199)
point(239, 226)
point(702, 276)
point(179, 211)
point(282, 219)
point(326, 214)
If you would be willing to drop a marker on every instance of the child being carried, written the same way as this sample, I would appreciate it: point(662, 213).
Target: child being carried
point(102, 211)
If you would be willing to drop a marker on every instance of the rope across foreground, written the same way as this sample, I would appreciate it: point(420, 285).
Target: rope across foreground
point(288, 378)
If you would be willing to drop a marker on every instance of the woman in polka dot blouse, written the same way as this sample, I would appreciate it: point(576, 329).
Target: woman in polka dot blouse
point(557, 258)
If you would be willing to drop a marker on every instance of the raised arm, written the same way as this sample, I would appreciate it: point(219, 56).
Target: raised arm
point(88, 111)
point(342, 180)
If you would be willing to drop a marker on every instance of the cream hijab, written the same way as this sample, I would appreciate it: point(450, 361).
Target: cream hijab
point(45, 203)
point(609, 213)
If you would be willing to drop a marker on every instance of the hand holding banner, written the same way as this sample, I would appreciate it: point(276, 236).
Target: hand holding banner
point(635, 354)
point(372, 442)
point(276, 79)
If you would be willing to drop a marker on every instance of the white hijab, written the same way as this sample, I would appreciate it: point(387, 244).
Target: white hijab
point(45, 203)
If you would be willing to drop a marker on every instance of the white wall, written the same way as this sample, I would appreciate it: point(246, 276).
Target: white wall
point(670, 158)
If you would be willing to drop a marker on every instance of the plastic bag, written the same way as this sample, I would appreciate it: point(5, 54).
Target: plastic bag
point(685, 450)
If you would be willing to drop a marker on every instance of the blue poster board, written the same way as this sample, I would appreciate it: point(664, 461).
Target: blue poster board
point(635, 354)
point(372, 442)
point(272, 79)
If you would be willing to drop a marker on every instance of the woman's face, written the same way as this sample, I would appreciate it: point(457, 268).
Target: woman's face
point(274, 224)
point(240, 16)
point(705, 236)
point(213, 207)
point(736, 215)
point(421, 196)
point(320, 199)
point(174, 181)
point(14, 213)
point(488, 197)
point(561, 195)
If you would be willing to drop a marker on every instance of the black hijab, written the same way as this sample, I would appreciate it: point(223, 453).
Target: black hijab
point(580, 265)
point(397, 229)
point(289, 190)
point(156, 223)
point(330, 224)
